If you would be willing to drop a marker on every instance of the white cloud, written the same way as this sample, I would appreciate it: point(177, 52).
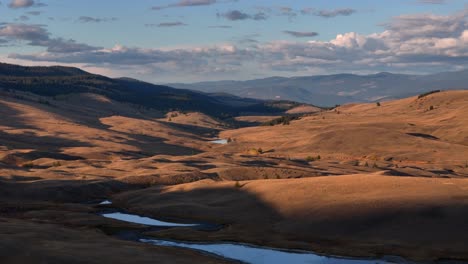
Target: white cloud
point(464, 37)
point(37, 35)
point(413, 43)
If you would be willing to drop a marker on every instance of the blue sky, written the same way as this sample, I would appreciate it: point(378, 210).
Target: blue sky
point(196, 40)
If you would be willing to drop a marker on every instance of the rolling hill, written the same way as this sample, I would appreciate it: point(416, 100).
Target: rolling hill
point(360, 180)
point(56, 81)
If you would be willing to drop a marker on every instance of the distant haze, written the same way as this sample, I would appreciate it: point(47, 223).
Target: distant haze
point(328, 90)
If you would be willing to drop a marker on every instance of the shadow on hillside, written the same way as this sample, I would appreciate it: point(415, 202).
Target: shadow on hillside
point(46, 145)
point(380, 228)
point(200, 164)
point(42, 143)
point(74, 111)
point(201, 131)
point(150, 146)
point(51, 146)
point(251, 219)
point(421, 135)
point(212, 205)
point(33, 155)
point(13, 118)
point(64, 191)
point(259, 163)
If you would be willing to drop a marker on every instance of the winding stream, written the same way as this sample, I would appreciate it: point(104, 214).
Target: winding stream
point(258, 255)
point(136, 219)
point(220, 141)
point(237, 251)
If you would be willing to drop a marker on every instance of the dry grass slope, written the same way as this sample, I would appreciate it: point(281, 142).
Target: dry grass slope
point(389, 178)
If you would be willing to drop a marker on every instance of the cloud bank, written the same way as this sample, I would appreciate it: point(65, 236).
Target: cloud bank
point(411, 43)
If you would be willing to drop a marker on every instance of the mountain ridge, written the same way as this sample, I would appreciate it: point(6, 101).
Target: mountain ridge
point(328, 90)
point(57, 80)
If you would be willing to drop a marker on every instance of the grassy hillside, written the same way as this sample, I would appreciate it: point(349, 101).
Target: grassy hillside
point(357, 180)
point(55, 81)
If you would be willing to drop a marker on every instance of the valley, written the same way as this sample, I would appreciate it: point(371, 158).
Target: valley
point(360, 180)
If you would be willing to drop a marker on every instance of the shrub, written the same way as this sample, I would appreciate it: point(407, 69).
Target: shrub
point(285, 120)
point(431, 108)
point(378, 103)
point(56, 164)
point(237, 184)
point(310, 158)
point(254, 151)
point(428, 93)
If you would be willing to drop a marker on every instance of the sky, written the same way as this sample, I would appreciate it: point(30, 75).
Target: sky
point(163, 41)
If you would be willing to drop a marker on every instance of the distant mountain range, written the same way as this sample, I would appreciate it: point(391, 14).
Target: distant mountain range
point(229, 98)
point(328, 90)
point(57, 80)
